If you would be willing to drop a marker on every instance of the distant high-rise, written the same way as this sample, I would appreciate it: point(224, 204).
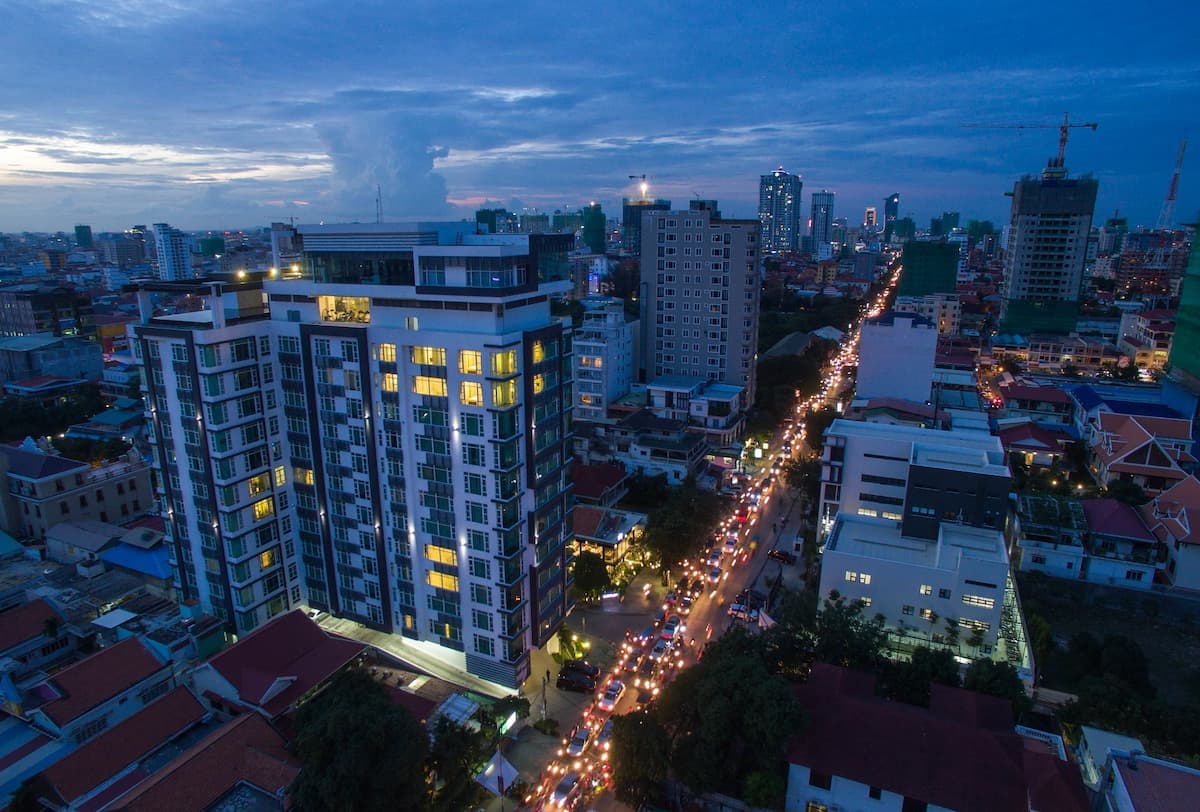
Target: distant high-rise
point(1047, 247)
point(594, 228)
point(174, 257)
point(83, 237)
point(928, 267)
point(779, 204)
point(700, 315)
point(869, 217)
point(822, 217)
point(891, 211)
point(631, 222)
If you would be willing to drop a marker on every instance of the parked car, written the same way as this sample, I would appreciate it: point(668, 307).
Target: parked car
point(579, 741)
point(583, 667)
point(781, 555)
point(612, 695)
point(575, 681)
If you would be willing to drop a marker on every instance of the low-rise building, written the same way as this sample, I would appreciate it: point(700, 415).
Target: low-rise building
point(1044, 405)
point(606, 531)
point(34, 636)
point(25, 357)
point(1151, 452)
point(1134, 782)
point(1146, 338)
point(705, 407)
point(942, 309)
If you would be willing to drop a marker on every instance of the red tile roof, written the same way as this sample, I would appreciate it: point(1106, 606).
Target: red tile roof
point(1029, 437)
point(90, 683)
point(1054, 784)
point(1159, 787)
point(586, 520)
point(124, 745)
point(967, 760)
point(246, 749)
point(277, 664)
point(591, 481)
point(1038, 394)
point(1174, 515)
point(24, 623)
point(1112, 517)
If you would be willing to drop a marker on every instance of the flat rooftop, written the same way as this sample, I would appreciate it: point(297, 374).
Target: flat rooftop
point(880, 539)
point(955, 458)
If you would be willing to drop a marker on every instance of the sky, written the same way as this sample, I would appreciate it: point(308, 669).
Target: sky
point(219, 114)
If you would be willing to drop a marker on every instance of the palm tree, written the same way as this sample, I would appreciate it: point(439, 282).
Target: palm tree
point(975, 640)
point(952, 633)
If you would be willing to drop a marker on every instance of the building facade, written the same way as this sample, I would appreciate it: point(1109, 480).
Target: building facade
point(896, 357)
point(59, 310)
point(397, 420)
point(1049, 227)
point(700, 293)
point(631, 222)
point(891, 212)
point(822, 218)
point(779, 205)
point(174, 256)
point(605, 356)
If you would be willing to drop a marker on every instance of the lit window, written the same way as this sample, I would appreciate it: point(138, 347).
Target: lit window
point(280, 476)
point(259, 484)
point(266, 559)
point(440, 580)
point(539, 352)
point(504, 362)
point(387, 353)
point(391, 382)
point(303, 476)
point(426, 385)
point(539, 383)
point(264, 508)
point(441, 555)
point(345, 308)
point(864, 578)
point(504, 393)
point(429, 356)
point(926, 589)
point(927, 614)
point(471, 393)
point(851, 576)
point(979, 600)
point(470, 362)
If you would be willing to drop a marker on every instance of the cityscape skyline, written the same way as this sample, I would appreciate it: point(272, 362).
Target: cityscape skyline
point(210, 122)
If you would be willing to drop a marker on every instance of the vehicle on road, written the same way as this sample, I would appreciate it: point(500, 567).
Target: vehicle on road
point(646, 675)
point(781, 555)
point(659, 616)
point(660, 650)
point(566, 792)
point(729, 547)
point(579, 740)
point(632, 661)
point(670, 628)
point(714, 575)
point(697, 587)
point(685, 604)
point(645, 635)
point(739, 611)
point(575, 681)
point(583, 667)
point(612, 695)
point(604, 739)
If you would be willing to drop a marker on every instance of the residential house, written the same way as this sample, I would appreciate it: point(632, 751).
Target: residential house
point(1044, 405)
point(33, 637)
point(860, 751)
point(83, 700)
point(1031, 445)
point(606, 531)
point(276, 667)
point(1134, 782)
point(604, 485)
point(1146, 338)
point(1121, 550)
point(1151, 452)
point(1047, 535)
point(1173, 517)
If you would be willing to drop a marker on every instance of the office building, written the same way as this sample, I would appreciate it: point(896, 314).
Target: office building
point(595, 228)
point(383, 437)
point(891, 212)
point(83, 237)
point(631, 222)
point(1047, 247)
point(1185, 345)
point(779, 204)
point(869, 218)
point(822, 218)
point(896, 356)
point(121, 251)
point(54, 309)
point(942, 309)
point(605, 356)
point(700, 298)
point(928, 267)
point(174, 256)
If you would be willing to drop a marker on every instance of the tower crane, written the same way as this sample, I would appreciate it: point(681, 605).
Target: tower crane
point(1063, 130)
point(645, 186)
point(1168, 207)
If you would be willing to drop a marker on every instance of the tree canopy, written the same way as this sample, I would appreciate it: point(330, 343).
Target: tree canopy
point(682, 524)
point(359, 751)
point(591, 573)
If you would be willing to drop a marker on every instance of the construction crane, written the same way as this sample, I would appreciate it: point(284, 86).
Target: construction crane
point(645, 186)
point(1063, 130)
point(1168, 207)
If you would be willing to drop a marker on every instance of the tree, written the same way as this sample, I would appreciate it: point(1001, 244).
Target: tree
point(360, 751)
point(911, 681)
point(998, 679)
point(455, 756)
point(815, 425)
point(975, 639)
point(591, 573)
point(846, 637)
point(640, 748)
point(764, 789)
point(1127, 491)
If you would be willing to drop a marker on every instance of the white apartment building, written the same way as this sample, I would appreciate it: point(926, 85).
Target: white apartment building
point(421, 396)
point(700, 293)
point(896, 356)
point(174, 255)
point(941, 309)
point(605, 356)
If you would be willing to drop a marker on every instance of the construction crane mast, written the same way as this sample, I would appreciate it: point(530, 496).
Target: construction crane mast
point(645, 187)
point(1063, 130)
point(1168, 207)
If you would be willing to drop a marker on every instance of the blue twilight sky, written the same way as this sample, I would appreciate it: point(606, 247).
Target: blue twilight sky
point(233, 113)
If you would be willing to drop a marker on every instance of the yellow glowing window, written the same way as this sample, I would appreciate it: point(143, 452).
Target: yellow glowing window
point(539, 352)
point(426, 385)
point(264, 508)
point(303, 476)
point(440, 580)
point(504, 362)
point(260, 484)
point(597, 362)
point(280, 476)
point(409, 622)
point(345, 308)
point(586, 400)
point(539, 383)
point(470, 362)
point(387, 353)
point(471, 393)
point(391, 382)
point(430, 356)
point(504, 393)
point(441, 555)
point(266, 559)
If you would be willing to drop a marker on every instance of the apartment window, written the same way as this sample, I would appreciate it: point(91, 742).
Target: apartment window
point(440, 580)
point(470, 362)
point(874, 793)
point(1134, 575)
point(979, 600)
point(472, 424)
point(390, 382)
point(480, 568)
point(864, 578)
point(268, 558)
point(944, 594)
point(387, 353)
point(926, 614)
point(470, 393)
point(481, 594)
point(303, 476)
point(477, 512)
point(907, 609)
point(429, 356)
point(263, 508)
point(539, 383)
point(411, 323)
point(504, 362)
point(504, 393)
point(475, 483)
point(926, 589)
point(481, 619)
point(427, 385)
point(820, 780)
point(1039, 559)
point(851, 576)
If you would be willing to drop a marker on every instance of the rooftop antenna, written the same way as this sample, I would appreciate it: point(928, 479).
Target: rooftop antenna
point(378, 204)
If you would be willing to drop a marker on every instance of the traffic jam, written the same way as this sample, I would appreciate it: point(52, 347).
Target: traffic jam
point(648, 659)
